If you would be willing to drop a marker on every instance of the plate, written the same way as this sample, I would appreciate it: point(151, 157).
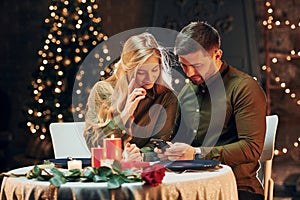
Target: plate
point(63, 162)
point(181, 165)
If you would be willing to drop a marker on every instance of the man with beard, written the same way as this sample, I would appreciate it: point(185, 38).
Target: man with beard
point(223, 110)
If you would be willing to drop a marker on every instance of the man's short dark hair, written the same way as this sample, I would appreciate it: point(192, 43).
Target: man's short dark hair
point(196, 36)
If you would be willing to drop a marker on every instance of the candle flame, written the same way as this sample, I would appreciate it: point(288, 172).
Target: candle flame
point(112, 136)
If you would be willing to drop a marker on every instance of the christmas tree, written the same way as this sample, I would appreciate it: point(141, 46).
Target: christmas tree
point(73, 30)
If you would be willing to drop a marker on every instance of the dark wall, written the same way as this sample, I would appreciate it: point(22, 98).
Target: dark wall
point(21, 34)
point(21, 37)
point(118, 15)
point(235, 21)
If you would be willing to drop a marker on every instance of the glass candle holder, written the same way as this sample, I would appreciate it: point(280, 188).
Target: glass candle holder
point(97, 154)
point(113, 148)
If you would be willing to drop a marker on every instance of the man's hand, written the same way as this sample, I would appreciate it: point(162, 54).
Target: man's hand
point(160, 153)
point(176, 151)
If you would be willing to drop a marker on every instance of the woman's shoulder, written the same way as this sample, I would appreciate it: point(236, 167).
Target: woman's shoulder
point(169, 94)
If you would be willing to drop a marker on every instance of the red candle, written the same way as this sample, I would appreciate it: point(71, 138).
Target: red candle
point(97, 156)
point(113, 148)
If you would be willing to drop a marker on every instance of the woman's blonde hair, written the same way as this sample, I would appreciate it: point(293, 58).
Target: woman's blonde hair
point(98, 113)
point(136, 50)
point(109, 96)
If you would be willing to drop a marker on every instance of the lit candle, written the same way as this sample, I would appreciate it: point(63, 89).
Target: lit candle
point(74, 164)
point(97, 156)
point(113, 148)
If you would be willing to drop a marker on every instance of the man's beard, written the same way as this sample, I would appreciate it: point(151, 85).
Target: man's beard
point(197, 80)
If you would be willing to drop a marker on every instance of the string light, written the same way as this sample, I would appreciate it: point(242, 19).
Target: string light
point(283, 85)
point(57, 90)
point(289, 56)
point(105, 51)
point(287, 91)
point(274, 60)
point(293, 95)
point(108, 58)
point(41, 101)
point(284, 150)
point(78, 91)
point(42, 137)
point(270, 23)
point(80, 116)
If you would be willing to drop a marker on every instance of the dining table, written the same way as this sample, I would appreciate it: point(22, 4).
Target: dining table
point(216, 183)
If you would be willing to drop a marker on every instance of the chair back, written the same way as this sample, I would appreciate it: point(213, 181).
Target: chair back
point(269, 145)
point(266, 158)
point(68, 140)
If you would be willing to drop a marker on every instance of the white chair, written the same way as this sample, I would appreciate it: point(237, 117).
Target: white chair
point(68, 140)
point(267, 156)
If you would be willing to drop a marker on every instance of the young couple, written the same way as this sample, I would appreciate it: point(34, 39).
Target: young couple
point(220, 114)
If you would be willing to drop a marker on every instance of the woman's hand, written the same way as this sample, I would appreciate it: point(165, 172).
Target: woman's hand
point(132, 152)
point(135, 95)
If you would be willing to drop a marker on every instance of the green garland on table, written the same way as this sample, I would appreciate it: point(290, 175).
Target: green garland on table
point(114, 176)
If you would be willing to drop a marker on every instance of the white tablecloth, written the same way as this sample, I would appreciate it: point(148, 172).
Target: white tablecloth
point(216, 184)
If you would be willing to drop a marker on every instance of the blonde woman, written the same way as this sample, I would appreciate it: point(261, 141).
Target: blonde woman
point(137, 102)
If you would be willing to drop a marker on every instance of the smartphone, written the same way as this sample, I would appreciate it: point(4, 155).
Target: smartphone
point(159, 143)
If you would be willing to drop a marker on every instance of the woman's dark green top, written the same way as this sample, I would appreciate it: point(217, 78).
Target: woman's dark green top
point(154, 117)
